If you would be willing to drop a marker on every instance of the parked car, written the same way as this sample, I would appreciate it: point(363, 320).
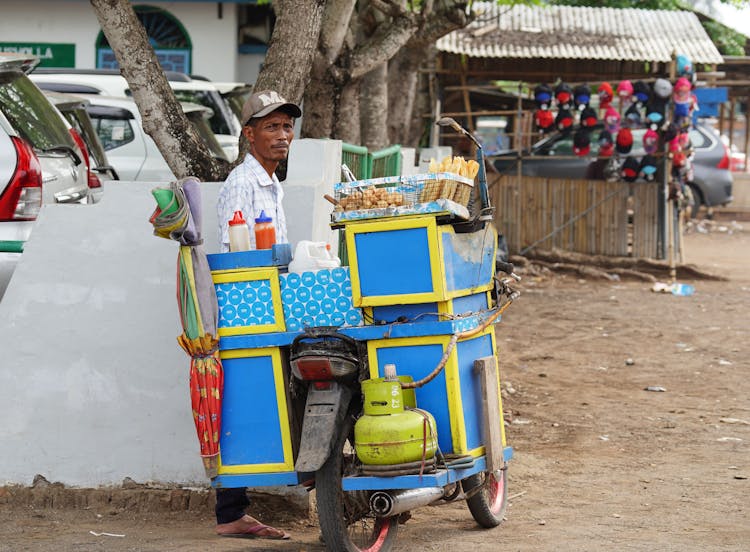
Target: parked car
point(224, 123)
point(130, 150)
point(553, 157)
point(40, 162)
point(73, 108)
point(235, 95)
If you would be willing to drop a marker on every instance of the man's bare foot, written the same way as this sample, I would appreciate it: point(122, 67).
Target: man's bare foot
point(249, 527)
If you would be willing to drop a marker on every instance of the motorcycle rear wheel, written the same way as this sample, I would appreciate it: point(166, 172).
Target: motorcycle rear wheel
point(487, 505)
point(346, 523)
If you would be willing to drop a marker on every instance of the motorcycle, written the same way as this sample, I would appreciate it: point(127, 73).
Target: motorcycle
point(328, 368)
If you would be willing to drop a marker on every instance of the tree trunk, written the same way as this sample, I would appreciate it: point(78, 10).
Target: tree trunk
point(323, 94)
point(374, 108)
point(319, 106)
point(403, 75)
point(288, 62)
point(346, 119)
point(162, 117)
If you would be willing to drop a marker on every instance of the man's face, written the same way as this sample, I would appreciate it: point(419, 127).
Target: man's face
point(270, 137)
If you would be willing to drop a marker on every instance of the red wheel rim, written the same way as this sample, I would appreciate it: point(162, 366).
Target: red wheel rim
point(495, 489)
point(382, 529)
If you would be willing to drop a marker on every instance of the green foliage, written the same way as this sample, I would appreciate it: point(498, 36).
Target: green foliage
point(728, 41)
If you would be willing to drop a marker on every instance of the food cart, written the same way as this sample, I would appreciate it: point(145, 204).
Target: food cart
point(420, 295)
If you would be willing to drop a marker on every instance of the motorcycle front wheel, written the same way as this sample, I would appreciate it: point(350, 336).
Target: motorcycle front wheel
point(346, 522)
point(488, 503)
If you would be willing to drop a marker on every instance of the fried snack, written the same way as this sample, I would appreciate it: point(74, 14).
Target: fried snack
point(371, 197)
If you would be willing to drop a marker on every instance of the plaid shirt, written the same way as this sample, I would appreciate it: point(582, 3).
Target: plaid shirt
point(249, 189)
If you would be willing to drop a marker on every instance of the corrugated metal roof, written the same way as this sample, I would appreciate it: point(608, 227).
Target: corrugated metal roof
point(566, 32)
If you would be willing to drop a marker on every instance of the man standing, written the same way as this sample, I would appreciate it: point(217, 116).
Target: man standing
point(252, 187)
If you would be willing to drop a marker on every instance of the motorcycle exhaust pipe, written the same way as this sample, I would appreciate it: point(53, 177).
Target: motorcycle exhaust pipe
point(391, 503)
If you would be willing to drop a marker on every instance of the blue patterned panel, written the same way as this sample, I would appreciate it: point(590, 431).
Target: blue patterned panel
point(245, 303)
point(318, 298)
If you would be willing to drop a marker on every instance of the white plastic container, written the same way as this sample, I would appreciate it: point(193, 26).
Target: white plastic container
point(310, 255)
point(239, 233)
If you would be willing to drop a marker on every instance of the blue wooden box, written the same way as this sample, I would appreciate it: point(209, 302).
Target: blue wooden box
point(255, 444)
point(410, 260)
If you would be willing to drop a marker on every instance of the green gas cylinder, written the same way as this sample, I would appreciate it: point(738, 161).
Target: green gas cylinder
point(388, 433)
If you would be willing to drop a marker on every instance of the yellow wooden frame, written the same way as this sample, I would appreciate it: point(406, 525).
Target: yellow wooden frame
point(280, 388)
point(249, 275)
point(436, 261)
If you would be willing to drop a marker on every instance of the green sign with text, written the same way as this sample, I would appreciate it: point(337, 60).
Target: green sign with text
point(49, 54)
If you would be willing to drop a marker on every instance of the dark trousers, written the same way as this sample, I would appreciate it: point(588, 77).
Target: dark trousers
point(230, 504)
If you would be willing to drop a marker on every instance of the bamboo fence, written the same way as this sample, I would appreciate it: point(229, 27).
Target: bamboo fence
point(594, 217)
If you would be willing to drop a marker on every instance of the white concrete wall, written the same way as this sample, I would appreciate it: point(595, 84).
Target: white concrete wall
point(214, 40)
point(314, 167)
point(95, 387)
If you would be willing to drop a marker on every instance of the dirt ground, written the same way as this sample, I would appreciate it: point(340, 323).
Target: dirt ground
point(600, 462)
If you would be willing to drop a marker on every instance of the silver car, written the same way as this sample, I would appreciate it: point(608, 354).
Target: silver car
point(32, 116)
point(131, 151)
point(39, 160)
point(553, 157)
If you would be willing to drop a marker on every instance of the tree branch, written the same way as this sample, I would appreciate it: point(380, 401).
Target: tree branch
point(389, 8)
point(382, 46)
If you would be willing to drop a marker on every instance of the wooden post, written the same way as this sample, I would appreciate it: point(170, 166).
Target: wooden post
point(732, 103)
point(492, 415)
point(670, 241)
point(467, 101)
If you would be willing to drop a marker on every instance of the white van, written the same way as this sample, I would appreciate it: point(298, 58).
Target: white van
point(131, 151)
point(224, 123)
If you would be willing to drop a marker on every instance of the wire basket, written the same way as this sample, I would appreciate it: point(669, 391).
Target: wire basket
point(402, 191)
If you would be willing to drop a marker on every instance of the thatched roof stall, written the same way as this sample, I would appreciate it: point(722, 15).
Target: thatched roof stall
point(536, 44)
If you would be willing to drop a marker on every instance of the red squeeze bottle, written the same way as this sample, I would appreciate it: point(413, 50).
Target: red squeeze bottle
point(265, 232)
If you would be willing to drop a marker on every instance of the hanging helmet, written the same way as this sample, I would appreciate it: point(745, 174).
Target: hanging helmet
point(588, 117)
point(563, 94)
point(641, 91)
point(625, 90)
point(633, 116)
point(542, 96)
point(612, 120)
point(662, 88)
point(605, 94)
point(582, 142)
point(581, 95)
point(684, 66)
point(630, 169)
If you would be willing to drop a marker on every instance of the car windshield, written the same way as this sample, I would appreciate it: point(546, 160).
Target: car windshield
point(79, 120)
point(31, 114)
point(237, 100)
point(204, 130)
point(222, 120)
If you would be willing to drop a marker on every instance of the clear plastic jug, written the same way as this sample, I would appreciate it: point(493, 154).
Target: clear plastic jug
point(310, 255)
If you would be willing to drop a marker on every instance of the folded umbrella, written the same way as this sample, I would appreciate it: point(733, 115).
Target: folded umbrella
point(178, 217)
